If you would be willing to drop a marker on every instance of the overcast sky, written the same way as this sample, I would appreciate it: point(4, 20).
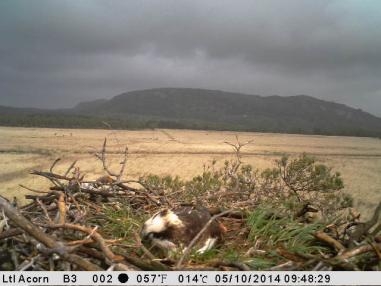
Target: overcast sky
point(59, 53)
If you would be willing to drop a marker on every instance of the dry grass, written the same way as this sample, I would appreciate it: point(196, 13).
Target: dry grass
point(183, 153)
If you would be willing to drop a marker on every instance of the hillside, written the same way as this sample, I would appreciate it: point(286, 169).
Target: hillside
point(208, 109)
point(224, 110)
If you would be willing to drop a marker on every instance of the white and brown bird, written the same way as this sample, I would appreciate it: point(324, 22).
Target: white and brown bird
point(171, 230)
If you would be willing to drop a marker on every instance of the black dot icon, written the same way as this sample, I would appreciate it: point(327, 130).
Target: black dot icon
point(123, 278)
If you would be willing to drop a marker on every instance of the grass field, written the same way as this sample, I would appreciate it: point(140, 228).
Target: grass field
point(181, 152)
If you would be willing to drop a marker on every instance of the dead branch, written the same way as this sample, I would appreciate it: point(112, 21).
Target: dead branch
point(33, 190)
point(237, 214)
point(70, 168)
point(16, 217)
point(152, 265)
point(123, 163)
point(233, 264)
point(50, 175)
point(44, 210)
point(10, 233)
point(286, 266)
point(124, 267)
point(296, 257)
point(358, 250)
point(61, 208)
point(50, 197)
point(363, 228)
point(54, 163)
point(102, 157)
point(83, 263)
point(93, 234)
point(329, 240)
point(237, 147)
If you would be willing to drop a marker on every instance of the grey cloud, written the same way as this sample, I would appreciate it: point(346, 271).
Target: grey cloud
point(62, 52)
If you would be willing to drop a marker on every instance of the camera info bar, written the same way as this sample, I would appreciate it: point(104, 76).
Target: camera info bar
point(13, 278)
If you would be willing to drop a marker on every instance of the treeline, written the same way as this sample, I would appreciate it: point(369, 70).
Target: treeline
point(64, 120)
point(84, 122)
point(67, 121)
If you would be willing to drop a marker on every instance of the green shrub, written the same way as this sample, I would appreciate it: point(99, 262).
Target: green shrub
point(290, 183)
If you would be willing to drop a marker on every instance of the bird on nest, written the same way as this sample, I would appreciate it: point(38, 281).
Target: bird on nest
point(171, 230)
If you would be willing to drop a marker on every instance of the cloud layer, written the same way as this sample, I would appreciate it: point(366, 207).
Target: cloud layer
point(58, 53)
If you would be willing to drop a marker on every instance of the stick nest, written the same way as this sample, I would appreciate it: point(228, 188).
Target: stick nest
point(94, 225)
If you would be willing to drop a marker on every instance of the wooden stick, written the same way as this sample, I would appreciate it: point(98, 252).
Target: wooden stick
point(54, 163)
point(16, 217)
point(50, 175)
point(94, 235)
point(70, 167)
point(118, 178)
point(62, 208)
point(358, 250)
point(102, 157)
point(10, 233)
point(42, 206)
point(33, 190)
point(329, 240)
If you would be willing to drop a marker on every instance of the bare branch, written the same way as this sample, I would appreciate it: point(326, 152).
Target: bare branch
point(329, 240)
point(44, 210)
point(94, 235)
point(70, 167)
point(33, 190)
point(118, 178)
point(61, 208)
point(54, 163)
point(102, 157)
point(14, 215)
point(50, 175)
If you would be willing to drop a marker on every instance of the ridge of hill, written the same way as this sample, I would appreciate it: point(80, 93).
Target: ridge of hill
point(205, 109)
